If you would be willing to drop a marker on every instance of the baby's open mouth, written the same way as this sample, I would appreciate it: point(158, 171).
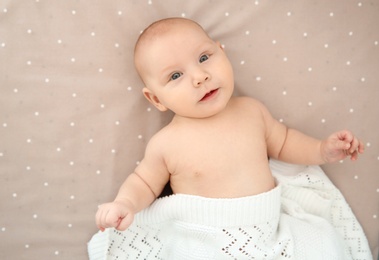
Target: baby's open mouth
point(209, 95)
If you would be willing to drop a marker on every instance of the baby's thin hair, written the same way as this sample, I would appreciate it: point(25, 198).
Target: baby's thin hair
point(161, 26)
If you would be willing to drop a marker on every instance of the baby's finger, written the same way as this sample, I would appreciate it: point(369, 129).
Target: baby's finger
point(354, 156)
point(361, 147)
point(342, 145)
point(98, 216)
point(125, 222)
point(354, 145)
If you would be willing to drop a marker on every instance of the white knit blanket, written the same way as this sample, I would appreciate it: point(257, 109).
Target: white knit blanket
point(304, 217)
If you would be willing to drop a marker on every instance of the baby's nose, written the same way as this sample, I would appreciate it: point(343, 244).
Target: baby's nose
point(201, 78)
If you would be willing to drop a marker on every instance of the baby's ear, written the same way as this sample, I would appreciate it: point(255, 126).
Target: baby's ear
point(220, 45)
point(153, 99)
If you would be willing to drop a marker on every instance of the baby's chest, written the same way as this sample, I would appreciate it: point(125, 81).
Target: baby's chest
point(218, 152)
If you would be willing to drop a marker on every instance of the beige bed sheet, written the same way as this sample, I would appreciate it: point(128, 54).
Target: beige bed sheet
point(73, 122)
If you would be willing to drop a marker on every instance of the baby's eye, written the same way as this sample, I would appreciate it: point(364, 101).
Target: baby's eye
point(203, 58)
point(175, 76)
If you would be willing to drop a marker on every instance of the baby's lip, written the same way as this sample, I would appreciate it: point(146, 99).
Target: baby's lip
point(209, 94)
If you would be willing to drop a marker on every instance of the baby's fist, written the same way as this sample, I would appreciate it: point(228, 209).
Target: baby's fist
point(340, 145)
point(115, 214)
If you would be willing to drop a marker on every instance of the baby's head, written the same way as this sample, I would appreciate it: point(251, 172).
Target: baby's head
point(183, 69)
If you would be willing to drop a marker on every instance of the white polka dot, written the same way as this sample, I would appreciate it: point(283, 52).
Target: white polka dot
point(71, 163)
point(226, 14)
point(90, 141)
point(310, 69)
point(35, 216)
point(273, 41)
point(116, 45)
point(73, 59)
point(2, 44)
point(5, 125)
point(284, 93)
point(305, 34)
point(113, 151)
point(285, 59)
point(73, 12)
point(102, 106)
point(183, 15)
point(359, 4)
point(47, 80)
point(29, 31)
point(3, 229)
point(29, 63)
point(1, 155)
point(256, 2)
point(5, 10)
point(363, 79)
point(242, 62)
point(117, 123)
point(72, 124)
point(348, 63)
point(27, 246)
point(247, 32)
point(334, 88)
point(351, 33)
point(310, 104)
point(46, 184)
point(368, 144)
point(326, 45)
point(331, 14)
point(36, 113)
point(139, 136)
point(28, 140)
point(74, 95)
point(101, 70)
point(119, 12)
point(376, 42)
point(15, 90)
point(56, 253)
point(356, 177)
point(150, 2)
point(59, 149)
point(28, 168)
point(149, 109)
point(72, 197)
point(59, 41)
point(351, 110)
point(98, 172)
point(289, 13)
point(375, 216)
point(129, 88)
point(258, 78)
point(93, 33)
point(281, 120)
point(323, 120)
point(69, 225)
point(14, 195)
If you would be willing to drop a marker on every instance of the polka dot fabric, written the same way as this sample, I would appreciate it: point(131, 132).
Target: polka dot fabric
point(74, 124)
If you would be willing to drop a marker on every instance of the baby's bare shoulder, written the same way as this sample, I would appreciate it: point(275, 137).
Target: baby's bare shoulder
point(247, 104)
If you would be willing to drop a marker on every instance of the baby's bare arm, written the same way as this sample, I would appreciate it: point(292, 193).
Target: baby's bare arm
point(293, 146)
point(137, 192)
point(133, 196)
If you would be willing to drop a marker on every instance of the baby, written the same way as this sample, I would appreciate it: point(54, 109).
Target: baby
point(217, 145)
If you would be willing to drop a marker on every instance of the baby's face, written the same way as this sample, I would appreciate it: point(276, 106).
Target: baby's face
point(186, 72)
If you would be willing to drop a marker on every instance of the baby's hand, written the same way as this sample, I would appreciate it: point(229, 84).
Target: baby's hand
point(340, 145)
point(114, 214)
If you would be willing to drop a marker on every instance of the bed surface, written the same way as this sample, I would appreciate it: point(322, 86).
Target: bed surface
point(74, 123)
